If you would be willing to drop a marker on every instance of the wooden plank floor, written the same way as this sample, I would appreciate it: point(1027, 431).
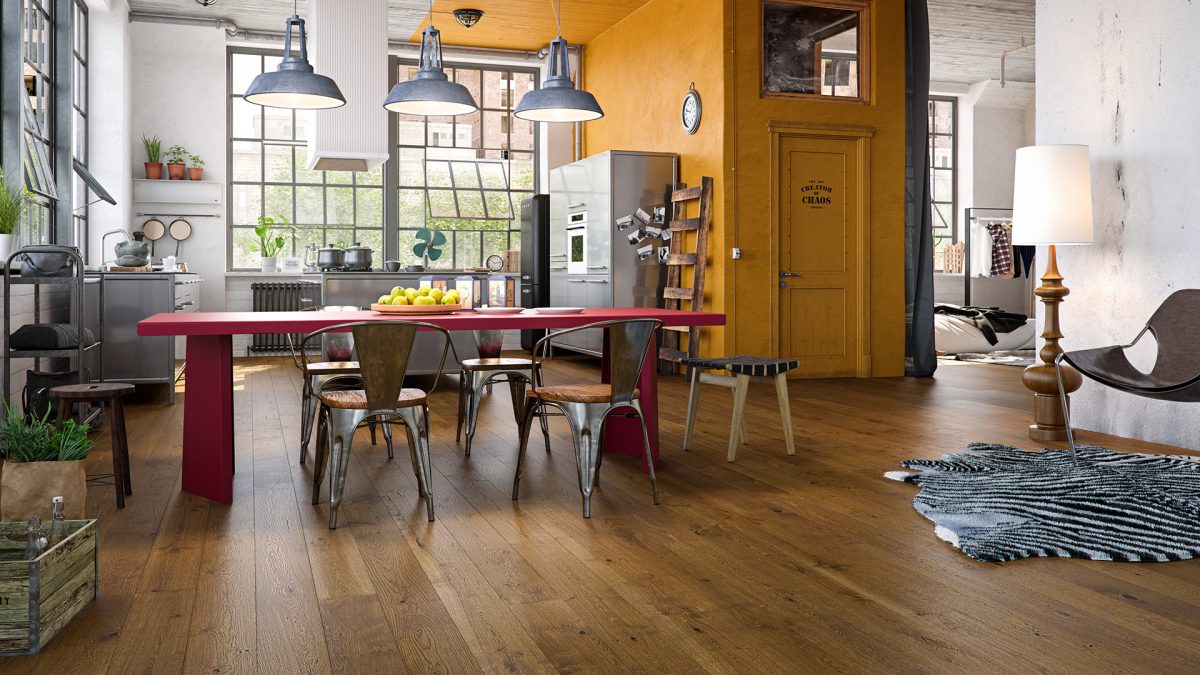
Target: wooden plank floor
point(771, 564)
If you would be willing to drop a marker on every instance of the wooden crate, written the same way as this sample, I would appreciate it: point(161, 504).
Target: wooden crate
point(39, 597)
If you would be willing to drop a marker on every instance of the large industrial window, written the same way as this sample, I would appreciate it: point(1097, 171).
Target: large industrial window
point(79, 116)
point(467, 175)
point(943, 168)
point(37, 119)
point(267, 177)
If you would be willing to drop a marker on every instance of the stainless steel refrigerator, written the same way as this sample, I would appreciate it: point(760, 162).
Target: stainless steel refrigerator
point(535, 260)
point(600, 253)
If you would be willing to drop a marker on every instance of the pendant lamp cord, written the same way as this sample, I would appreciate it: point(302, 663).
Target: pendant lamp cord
point(557, 14)
point(431, 13)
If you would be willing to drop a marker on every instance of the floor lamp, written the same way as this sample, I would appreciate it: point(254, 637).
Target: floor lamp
point(1052, 205)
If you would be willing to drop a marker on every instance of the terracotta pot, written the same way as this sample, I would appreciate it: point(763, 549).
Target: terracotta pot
point(28, 487)
point(154, 170)
point(175, 171)
point(195, 173)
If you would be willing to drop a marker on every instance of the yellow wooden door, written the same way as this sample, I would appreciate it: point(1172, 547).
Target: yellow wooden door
point(821, 219)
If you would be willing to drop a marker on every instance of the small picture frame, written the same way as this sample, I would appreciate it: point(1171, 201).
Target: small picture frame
point(642, 216)
point(636, 237)
point(660, 215)
point(646, 252)
point(663, 252)
point(654, 232)
point(666, 235)
point(624, 223)
point(290, 265)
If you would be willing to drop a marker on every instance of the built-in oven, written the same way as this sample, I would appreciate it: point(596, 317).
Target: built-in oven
point(577, 243)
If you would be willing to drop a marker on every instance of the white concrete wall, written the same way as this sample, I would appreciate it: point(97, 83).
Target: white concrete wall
point(1124, 80)
point(110, 121)
point(179, 94)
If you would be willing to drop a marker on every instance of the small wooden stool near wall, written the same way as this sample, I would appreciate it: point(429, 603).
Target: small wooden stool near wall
point(109, 394)
point(742, 369)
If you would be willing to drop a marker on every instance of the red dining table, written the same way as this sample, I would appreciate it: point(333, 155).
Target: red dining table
point(208, 404)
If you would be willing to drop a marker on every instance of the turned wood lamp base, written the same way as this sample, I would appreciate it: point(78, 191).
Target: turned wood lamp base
point(1049, 423)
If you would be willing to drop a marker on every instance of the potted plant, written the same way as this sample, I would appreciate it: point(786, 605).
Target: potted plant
point(153, 147)
point(43, 460)
point(269, 244)
point(196, 170)
point(14, 198)
point(429, 247)
point(177, 155)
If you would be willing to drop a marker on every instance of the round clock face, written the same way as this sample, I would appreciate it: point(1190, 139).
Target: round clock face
point(690, 111)
point(495, 263)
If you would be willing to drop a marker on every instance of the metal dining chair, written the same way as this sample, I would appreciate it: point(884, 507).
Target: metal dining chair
point(337, 369)
point(586, 406)
point(383, 349)
point(477, 374)
point(1176, 372)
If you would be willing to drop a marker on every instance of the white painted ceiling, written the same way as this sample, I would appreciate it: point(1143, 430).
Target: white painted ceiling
point(967, 37)
point(404, 16)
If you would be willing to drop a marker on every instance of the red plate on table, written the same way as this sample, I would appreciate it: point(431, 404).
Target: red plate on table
point(415, 309)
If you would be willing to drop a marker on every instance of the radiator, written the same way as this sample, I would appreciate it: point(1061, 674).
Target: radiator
point(281, 296)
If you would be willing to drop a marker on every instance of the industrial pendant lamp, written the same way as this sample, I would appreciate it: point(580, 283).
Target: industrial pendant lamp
point(558, 100)
point(430, 92)
point(294, 84)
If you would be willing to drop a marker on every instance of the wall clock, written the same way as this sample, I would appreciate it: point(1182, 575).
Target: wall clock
point(495, 263)
point(689, 112)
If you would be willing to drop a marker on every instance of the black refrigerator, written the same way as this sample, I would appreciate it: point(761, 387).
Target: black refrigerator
point(535, 260)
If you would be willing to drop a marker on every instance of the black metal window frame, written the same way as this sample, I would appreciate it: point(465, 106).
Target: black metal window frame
point(80, 127)
point(279, 195)
point(944, 231)
point(462, 241)
point(38, 120)
point(250, 196)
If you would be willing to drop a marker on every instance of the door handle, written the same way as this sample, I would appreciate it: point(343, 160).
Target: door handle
point(786, 275)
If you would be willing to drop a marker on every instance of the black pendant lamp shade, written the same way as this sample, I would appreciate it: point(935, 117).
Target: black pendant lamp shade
point(430, 92)
point(294, 84)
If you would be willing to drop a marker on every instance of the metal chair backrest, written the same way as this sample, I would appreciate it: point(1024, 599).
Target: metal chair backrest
point(1176, 328)
point(628, 342)
point(384, 348)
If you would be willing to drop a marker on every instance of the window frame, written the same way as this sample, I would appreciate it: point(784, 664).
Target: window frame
point(865, 63)
point(932, 169)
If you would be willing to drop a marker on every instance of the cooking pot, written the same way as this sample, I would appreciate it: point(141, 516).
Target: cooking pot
point(358, 257)
point(331, 258)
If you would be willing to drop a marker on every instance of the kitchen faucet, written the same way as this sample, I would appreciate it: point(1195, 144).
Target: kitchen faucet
point(103, 243)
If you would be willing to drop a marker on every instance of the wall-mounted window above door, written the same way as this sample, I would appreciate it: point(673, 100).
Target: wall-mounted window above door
point(816, 49)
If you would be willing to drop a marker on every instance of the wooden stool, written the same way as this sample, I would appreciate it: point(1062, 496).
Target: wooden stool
point(742, 369)
point(110, 394)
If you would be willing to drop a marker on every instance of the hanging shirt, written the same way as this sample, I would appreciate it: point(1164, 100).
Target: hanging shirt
point(981, 250)
point(1002, 262)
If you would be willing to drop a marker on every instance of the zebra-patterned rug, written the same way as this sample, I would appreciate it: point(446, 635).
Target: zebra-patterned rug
point(998, 503)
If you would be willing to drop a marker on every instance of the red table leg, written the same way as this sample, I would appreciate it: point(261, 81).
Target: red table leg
point(623, 434)
point(208, 418)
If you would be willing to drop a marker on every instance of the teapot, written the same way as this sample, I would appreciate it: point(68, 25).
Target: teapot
point(135, 252)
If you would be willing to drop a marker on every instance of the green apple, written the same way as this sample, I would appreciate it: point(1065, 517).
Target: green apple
point(384, 300)
point(400, 300)
point(437, 294)
point(424, 291)
point(397, 290)
point(410, 293)
point(449, 300)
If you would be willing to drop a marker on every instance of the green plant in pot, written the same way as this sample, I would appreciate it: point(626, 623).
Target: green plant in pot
point(269, 242)
point(153, 146)
point(177, 157)
point(14, 199)
point(196, 168)
point(42, 460)
point(428, 247)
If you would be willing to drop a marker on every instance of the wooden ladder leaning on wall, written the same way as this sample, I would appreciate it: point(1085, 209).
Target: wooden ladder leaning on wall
point(674, 292)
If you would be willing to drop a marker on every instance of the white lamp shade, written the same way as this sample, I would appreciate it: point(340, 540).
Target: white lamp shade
point(1052, 195)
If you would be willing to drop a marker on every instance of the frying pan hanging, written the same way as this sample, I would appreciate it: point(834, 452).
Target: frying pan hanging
point(179, 230)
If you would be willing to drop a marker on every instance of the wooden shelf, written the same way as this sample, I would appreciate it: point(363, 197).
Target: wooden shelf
point(178, 192)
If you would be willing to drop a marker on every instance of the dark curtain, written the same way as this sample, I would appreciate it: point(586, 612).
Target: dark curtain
point(920, 358)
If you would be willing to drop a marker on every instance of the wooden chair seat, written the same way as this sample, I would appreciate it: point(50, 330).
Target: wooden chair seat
point(91, 391)
point(356, 399)
point(332, 368)
point(495, 364)
point(107, 394)
point(576, 393)
point(754, 366)
point(741, 370)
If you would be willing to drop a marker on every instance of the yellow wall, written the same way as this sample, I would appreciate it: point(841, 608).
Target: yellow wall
point(639, 70)
point(752, 286)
